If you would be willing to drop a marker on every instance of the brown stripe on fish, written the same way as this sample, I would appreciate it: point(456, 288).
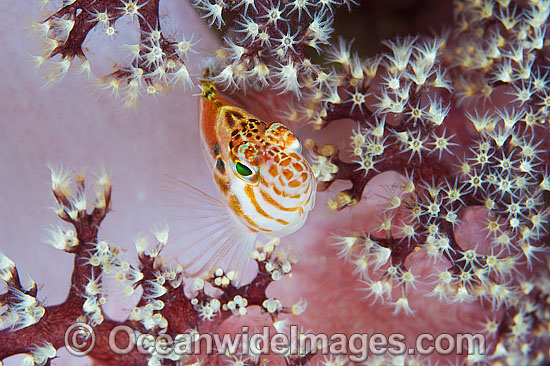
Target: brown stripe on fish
point(235, 205)
point(288, 174)
point(216, 148)
point(250, 193)
point(299, 167)
point(277, 191)
point(294, 183)
point(308, 199)
point(220, 165)
point(273, 202)
point(223, 183)
point(231, 117)
point(273, 171)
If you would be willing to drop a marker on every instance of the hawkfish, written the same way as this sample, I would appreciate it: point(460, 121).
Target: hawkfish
point(265, 185)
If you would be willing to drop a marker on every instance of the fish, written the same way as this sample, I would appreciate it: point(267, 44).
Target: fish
point(265, 185)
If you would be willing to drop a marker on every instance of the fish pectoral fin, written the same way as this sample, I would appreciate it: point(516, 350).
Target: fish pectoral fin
point(219, 244)
point(207, 237)
point(187, 196)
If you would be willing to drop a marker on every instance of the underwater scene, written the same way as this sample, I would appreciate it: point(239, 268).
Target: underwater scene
point(275, 182)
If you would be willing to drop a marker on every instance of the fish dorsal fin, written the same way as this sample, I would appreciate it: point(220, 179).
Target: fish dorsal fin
point(207, 236)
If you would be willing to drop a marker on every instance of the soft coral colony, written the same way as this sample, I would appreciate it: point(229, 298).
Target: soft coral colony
point(462, 117)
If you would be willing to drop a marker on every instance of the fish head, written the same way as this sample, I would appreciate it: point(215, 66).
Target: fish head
point(270, 184)
point(260, 171)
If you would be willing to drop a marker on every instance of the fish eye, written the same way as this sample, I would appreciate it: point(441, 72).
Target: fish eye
point(242, 169)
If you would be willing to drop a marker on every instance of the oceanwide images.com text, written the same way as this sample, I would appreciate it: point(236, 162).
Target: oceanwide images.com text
point(80, 340)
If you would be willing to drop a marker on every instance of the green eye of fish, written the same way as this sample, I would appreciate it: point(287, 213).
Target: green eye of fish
point(242, 169)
